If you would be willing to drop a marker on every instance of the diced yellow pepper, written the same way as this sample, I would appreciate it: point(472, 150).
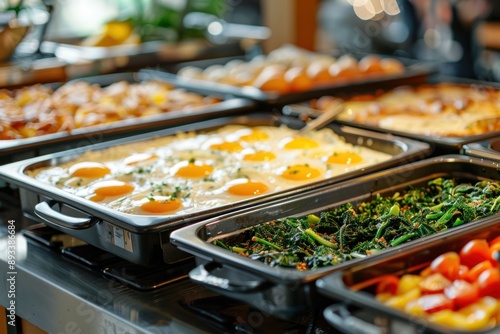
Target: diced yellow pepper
point(383, 297)
point(476, 316)
point(415, 308)
point(408, 282)
point(400, 301)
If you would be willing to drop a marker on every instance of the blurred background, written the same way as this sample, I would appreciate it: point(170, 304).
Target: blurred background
point(460, 36)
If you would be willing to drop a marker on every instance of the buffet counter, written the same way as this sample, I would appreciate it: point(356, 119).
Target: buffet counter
point(57, 295)
point(60, 62)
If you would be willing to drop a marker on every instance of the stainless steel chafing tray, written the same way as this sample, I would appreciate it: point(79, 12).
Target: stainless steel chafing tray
point(414, 72)
point(352, 290)
point(440, 144)
point(286, 292)
point(487, 149)
point(18, 149)
point(145, 239)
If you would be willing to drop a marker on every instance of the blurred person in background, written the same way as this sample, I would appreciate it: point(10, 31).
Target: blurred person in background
point(439, 31)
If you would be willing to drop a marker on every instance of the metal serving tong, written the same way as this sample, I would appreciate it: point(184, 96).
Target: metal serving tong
point(320, 121)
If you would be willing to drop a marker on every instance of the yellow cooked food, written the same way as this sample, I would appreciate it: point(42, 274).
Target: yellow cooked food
point(38, 110)
point(190, 172)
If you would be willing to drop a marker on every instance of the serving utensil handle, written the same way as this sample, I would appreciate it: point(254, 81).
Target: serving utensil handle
point(203, 275)
point(48, 214)
point(338, 316)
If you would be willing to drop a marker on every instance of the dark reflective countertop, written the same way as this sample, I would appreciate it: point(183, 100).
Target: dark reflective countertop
point(61, 295)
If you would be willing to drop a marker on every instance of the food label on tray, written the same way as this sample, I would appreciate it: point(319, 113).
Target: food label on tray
point(119, 237)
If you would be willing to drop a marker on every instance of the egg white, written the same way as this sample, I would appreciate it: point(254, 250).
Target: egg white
point(156, 177)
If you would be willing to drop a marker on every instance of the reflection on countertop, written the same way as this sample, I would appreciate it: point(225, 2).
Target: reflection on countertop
point(55, 292)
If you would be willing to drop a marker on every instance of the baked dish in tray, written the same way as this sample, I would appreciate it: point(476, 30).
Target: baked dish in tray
point(40, 109)
point(443, 110)
point(191, 171)
point(289, 69)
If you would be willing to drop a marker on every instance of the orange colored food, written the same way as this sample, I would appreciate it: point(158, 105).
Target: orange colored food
point(441, 293)
point(273, 81)
point(161, 205)
point(39, 110)
point(248, 188)
point(291, 69)
point(298, 80)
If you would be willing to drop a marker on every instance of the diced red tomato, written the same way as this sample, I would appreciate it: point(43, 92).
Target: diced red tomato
point(447, 264)
point(463, 271)
point(435, 302)
point(462, 293)
point(388, 284)
point(475, 271)
point(494, 241)
point(434, 283)
point(489, 283)
point(474, 252)
point(494, 248)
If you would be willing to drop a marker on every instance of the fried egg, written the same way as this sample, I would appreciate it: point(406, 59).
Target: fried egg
point(160, 204)
point(229, 146)
point(110, 188)
point(140, 159)
point(260, 156)
point(300, 172)
point(345, 158)
point(245, 187)
point(88, 169)
point(192, 169)
point(299, 143)
point(191, 172)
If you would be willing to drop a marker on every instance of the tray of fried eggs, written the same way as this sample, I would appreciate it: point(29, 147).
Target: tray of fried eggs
point(184, 172)
point(179, 175)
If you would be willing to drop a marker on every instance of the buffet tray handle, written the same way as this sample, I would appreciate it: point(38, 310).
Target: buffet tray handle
point(47, 213)
point(203, 275)
point(338, 316)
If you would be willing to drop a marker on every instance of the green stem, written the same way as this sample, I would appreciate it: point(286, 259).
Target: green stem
point(221, 244)
point(403, 238)
point(291, 223)
point(341, 236)
point(494, 203)
point(434, 215)
point(320, 240)
point(238, 249)
point(446, 217)
point(458, 222)
point(425, 229)
point(393, 211)
point(437, 207)
point(266, 243)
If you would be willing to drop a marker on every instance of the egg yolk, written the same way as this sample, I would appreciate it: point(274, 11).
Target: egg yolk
point(110, 188)
point(140, 158)
point(255, 135)
point(345, 158)
point(300, 172)
point(194, 170)
point(229, 146)
point(300, 143)
point(159, 204)
point(260, 156)
point(248, 188)
point(89, 169)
